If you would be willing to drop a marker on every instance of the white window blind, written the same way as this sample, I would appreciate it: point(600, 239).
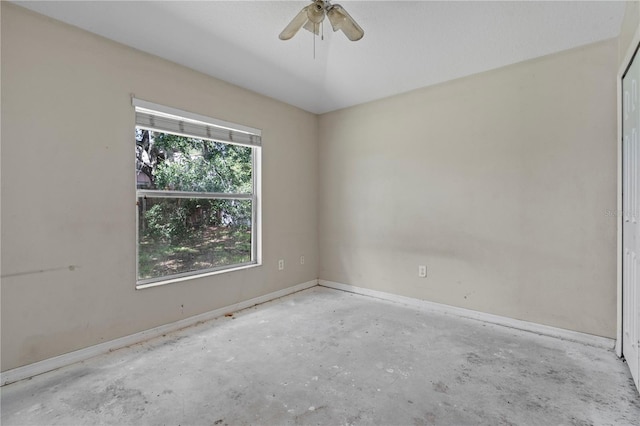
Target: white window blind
point(170, 120)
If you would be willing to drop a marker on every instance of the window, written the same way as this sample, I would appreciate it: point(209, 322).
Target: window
point(197, 189)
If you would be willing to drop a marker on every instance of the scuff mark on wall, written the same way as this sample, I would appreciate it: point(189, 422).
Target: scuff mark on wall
point(70, 268)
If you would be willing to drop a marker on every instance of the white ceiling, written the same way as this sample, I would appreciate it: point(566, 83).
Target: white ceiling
point(407, 45)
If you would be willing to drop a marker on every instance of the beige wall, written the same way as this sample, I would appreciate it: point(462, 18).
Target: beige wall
point(68, 191)
point(498, 182)
point(630, 25)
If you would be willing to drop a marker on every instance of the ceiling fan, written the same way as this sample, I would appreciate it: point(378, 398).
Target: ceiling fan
point(311, 16)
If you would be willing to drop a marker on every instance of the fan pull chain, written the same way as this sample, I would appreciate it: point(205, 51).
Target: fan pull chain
point(321, 24)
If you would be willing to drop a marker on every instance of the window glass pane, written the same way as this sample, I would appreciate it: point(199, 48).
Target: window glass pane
point(179, 235)
point(169, 162)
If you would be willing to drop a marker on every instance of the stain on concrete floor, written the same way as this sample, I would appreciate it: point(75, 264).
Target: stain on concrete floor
point(324, 356)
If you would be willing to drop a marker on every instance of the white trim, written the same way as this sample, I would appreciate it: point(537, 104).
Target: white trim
point(154, 193)
point(150, 106)
point(60, 361)
point(186, 276)
point(257, 205)
point(559, 333)
point(626, 61)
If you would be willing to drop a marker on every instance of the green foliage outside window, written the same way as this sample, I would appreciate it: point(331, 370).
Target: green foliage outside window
point(186, 234)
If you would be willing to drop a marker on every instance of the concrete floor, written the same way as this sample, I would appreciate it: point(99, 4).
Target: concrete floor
point(324, 356)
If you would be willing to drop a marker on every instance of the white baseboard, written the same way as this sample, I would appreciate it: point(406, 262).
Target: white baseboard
point(560, 333)
point(24, 372)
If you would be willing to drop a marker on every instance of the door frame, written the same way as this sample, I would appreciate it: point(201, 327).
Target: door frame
point(624, 65)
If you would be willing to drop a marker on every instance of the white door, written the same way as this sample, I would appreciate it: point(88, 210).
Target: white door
point(631, 219)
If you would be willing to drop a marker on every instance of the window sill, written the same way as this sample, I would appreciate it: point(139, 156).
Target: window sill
point(195, 276)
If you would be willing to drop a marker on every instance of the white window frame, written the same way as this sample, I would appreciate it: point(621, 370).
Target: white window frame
point(188, 124)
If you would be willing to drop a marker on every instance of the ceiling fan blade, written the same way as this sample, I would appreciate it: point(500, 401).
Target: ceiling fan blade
point(295, 24)
point(312, 27)
point(341, 20)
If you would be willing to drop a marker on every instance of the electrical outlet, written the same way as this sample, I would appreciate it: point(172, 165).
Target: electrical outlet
point(280, 264)
point(422, 271)
point(302, 260)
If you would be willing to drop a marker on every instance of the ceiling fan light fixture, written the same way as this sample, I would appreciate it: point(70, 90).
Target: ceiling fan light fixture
point(315, 11)
point(341, 20)
point(295, 24)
